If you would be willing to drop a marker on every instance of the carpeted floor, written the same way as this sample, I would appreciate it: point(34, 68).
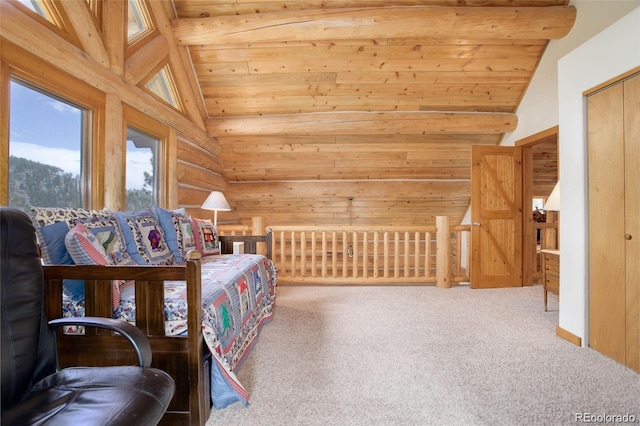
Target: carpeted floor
point(424, 356)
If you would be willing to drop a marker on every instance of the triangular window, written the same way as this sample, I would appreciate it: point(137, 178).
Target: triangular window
point(139, 21)
point(46, 9)
point(162, 85)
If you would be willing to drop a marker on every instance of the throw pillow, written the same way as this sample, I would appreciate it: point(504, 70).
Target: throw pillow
point(144, 238)
point(207, 241)
point(84, 248)
point(52, 225)
point(107, 232)
point(178, 231)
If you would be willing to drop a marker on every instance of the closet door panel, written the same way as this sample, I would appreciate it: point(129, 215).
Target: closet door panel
point(607, 319)
point(632, 218)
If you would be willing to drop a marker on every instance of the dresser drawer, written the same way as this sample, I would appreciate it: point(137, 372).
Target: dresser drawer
point(550, 274)
point(552, 284)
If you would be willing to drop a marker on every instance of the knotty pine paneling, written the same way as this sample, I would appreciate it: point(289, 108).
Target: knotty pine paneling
point(196, 9)
point(374, 203)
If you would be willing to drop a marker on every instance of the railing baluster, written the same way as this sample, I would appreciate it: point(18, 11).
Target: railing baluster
point(324, 254)
point(344, 254)
point(407, 254)
point(365, 255)
point(416, 254)
point(283, 256)
point(376, 254)
point(293, 254)
point(334, 254)
point(396, 255)
point(427, 256)
point(303, 254)
point(458, 255)
point(313, 253)
point(386, 255)
point(354, 253)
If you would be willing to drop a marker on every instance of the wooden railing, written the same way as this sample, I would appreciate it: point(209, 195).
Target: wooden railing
point(372, 255)
point(256, 228)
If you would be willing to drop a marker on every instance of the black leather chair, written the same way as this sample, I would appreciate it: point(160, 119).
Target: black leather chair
point(34, 390)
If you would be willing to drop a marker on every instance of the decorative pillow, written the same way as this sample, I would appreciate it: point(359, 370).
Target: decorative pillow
point(107, 232)
point(144, 238)
point(207, 241)
point(178, 231)
point(84, 248)
point(52, 225)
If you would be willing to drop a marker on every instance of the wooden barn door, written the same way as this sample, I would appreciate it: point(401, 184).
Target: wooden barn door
point(496, 216)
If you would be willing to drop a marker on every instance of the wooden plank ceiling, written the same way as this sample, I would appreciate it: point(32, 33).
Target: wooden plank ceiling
point(364, 90)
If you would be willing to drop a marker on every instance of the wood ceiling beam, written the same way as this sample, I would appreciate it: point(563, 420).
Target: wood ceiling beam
point(385, 22)
point(84, 25)
point(357, 123)
point(114, 22)
point(188, 88)
point(74, 61)
point(147, 60)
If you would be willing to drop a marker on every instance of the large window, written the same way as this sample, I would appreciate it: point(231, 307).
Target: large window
point(47, 145)
point(142, 165)
point(146, 160)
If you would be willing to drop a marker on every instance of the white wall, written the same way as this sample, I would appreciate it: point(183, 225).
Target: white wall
point(538, 109)
point(612, 52)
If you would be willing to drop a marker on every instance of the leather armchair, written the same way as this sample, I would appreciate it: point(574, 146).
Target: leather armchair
point(34, 390)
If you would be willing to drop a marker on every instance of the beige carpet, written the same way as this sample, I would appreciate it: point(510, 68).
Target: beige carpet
point(423, 356)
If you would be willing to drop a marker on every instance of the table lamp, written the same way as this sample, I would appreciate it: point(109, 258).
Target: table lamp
point(216, 201)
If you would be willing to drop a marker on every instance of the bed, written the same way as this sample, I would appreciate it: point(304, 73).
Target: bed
point(200, 348)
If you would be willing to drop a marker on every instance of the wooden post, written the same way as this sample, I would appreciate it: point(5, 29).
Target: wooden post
point(283, 256)
point(258, 228)
point(443, 242)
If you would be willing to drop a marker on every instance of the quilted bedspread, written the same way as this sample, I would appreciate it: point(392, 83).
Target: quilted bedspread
point(238, 296)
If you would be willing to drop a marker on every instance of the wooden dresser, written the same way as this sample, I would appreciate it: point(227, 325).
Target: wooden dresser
point(550, 273)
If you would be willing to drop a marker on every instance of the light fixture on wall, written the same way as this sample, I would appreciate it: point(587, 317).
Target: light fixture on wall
point(216, 202)
point(553, 202)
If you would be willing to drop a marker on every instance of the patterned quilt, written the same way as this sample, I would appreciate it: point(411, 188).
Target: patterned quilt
point(238, 296)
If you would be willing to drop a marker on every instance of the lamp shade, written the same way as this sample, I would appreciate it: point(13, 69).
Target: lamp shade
point(216, 201)
point(553, 202)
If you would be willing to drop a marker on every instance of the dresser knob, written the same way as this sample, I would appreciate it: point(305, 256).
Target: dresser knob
point(627, 236)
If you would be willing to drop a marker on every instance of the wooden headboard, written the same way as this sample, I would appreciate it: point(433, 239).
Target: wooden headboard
point(250, 243)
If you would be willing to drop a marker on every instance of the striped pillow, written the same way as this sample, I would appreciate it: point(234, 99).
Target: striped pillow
point(84, 247)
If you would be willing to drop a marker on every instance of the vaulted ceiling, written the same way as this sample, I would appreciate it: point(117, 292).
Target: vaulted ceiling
point(364, 90)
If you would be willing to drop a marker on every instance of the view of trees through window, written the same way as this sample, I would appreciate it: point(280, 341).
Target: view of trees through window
point(45, 149)
point(47, 138)
point(141, 166)
point(36, 184)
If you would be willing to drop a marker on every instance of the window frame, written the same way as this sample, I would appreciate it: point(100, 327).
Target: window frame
point(29, 70)
point(132, 117)
point(56, 19)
